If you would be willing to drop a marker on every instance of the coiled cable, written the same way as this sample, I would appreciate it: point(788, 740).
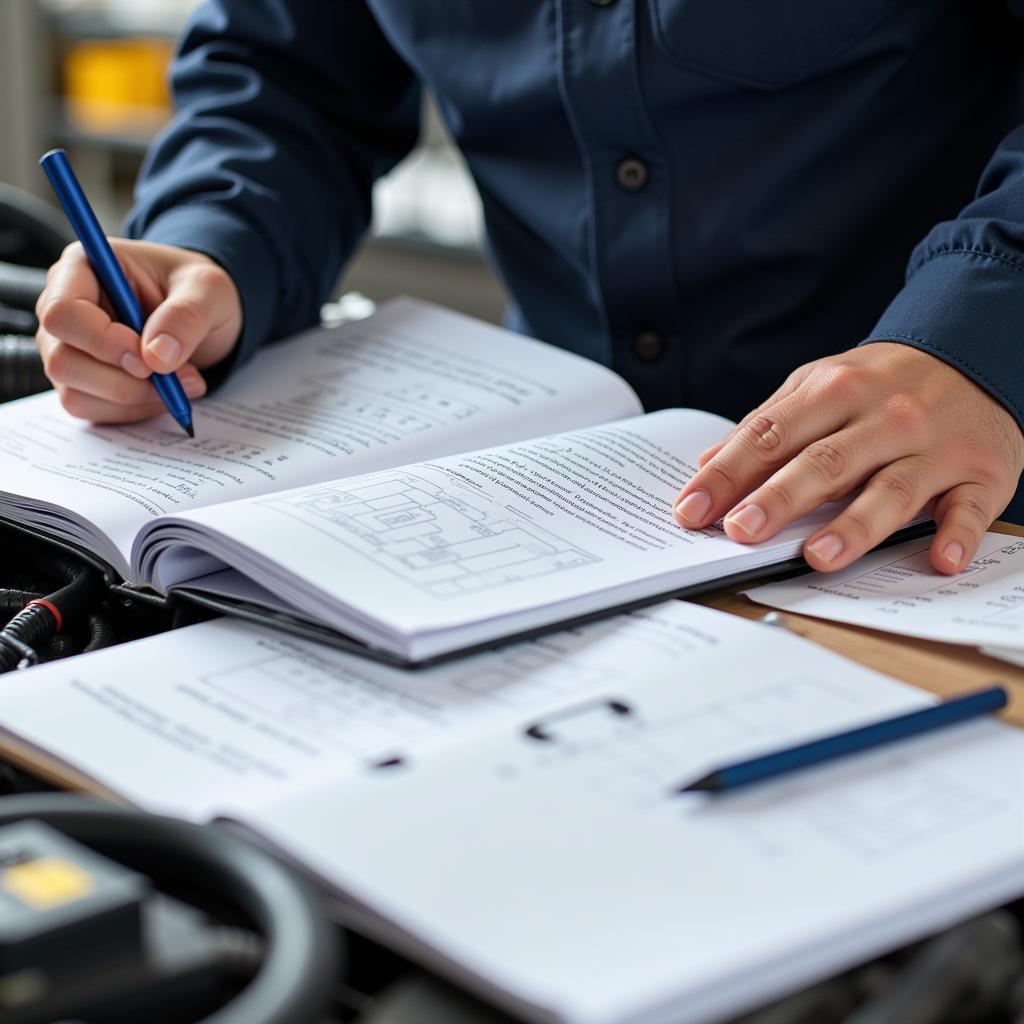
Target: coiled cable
point(21, 286)
point(38, 619)
point(21, 368)
point(301, 953)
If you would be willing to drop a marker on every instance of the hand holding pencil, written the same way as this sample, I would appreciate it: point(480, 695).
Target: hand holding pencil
point(101, 366)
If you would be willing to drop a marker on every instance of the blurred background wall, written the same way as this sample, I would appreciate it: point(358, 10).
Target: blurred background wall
point(90, 75)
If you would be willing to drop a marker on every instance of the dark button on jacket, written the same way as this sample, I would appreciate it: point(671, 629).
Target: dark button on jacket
point(631, 174)
point(649, 346)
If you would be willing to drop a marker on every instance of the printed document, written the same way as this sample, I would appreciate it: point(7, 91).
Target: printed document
point(509, 819)
point(897, 590)
point(412, 382)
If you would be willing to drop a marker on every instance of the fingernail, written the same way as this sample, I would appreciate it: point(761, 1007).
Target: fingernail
point(166, 348)
point(953, 553)
point(694, 507)
point(132, 364)
point(826, 548)
point(750, 519)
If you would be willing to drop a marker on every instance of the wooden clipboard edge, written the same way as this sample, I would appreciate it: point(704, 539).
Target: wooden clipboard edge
point(53, 770)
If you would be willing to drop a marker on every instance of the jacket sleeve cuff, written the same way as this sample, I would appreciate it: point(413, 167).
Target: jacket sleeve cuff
point(237, 246)
point(966, 307)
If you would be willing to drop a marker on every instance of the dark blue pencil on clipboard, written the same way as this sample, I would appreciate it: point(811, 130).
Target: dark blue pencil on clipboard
point(111, 277)
point(867, 737)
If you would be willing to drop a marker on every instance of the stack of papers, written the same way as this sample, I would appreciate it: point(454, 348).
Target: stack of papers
point(897, 590)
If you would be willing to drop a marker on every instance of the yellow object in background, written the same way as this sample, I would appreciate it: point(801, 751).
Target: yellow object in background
point(47, 882)
point(118, 85)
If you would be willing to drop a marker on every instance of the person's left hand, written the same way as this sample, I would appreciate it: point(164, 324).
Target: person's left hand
point(901, 423)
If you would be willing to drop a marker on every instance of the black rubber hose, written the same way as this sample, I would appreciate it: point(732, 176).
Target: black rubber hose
point(21, 368)
point(303, 952)
point(37, 231)
point(28, 633)
point(82, 588)
point(61, 646)
point(17, 321)
point(20, 286)
point(101, 633)
point(25, 636)
point(12, 601)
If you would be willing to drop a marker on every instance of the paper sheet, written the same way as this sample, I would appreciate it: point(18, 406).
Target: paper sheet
point(897, 590)
point(412, 382)
point(224, 714)
point(550, 862)
point(1014, 657)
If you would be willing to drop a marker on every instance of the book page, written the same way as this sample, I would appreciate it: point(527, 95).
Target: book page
point(224, 713)
point(412, 382)
point(553, 864)
point(897, 590)
point(485, 541)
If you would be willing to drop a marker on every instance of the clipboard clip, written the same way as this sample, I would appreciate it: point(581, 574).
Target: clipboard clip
point(542, 730)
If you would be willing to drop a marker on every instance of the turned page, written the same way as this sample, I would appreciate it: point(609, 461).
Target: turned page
point(573, 521)
point(412, 382)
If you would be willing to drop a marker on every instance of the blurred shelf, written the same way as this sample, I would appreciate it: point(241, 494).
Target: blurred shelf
point(457, 279)
point(118, 22)
point(427, 237)
point(100, 26)
point(425, 246)
point(65, 134)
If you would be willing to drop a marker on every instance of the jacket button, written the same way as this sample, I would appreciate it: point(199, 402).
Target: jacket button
point(649, 346)
point(631, 174)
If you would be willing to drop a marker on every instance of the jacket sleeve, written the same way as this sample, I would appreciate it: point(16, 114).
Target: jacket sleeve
point(963, 300)
point(287, 111)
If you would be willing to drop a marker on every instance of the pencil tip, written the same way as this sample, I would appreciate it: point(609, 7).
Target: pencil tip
point(705, 784)
point(190, 430)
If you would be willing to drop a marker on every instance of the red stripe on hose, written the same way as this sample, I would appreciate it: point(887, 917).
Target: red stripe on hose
point(52, 609)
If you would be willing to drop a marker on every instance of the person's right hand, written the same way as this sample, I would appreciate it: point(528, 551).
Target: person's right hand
point(100, 367)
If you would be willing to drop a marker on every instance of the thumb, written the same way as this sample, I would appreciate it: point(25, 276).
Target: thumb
point(963, 515)
point(192, 308)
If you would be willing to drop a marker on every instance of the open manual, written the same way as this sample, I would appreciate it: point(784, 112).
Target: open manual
point(418, 481)
point(507, 819)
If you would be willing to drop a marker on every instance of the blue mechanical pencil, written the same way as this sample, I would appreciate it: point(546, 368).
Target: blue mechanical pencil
point(111, 277)
point(867, 737)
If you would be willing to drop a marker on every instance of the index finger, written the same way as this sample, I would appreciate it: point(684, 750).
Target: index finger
point(787, 387)
point(70, 277)
point(72, 309)
point(767, 441)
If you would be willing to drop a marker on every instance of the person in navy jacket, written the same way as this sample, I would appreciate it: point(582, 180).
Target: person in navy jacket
point(806, 216)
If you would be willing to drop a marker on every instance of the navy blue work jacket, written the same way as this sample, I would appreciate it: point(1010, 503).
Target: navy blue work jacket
point(702, 194)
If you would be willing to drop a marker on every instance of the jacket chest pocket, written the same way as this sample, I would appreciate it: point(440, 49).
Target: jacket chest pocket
point(764, 44)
